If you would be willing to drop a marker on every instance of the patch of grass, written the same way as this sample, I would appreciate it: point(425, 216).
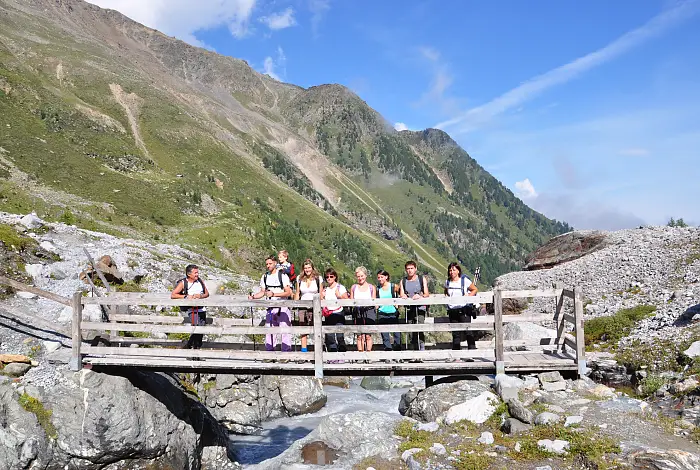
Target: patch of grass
point(130, 286)
point(180, 336)
point(34, 351)
point(33, 405)
point(585, 442)
point(614, 327)
point(380, 463)
point(209, 385)
point(660, 355)
point(134, 334)
point(634, 290)
point(497, 415)
point(13, 239)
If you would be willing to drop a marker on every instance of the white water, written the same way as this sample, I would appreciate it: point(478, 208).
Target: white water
point(277, 435)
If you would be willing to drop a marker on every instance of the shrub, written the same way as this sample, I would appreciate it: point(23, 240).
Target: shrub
point(615, 327)
point(650, 384)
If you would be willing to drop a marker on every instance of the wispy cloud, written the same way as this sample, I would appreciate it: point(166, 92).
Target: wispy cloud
point(183, 18)
point(318, 9)
point(475, 117)
point(400, 126)
point(277, 67)
point(281, 20)
point(441, 80)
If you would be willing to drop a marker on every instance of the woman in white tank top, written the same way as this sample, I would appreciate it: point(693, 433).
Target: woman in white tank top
point(364, 315)
point(309, 283)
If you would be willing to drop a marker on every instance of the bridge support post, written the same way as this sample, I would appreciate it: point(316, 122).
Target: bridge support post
point(76, 360)
point(318, 337)
point(578, 328)
point(498, 330)
point(559, 318)
point(428, 381)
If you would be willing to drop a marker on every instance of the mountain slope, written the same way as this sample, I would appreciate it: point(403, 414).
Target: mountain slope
point(113, 125)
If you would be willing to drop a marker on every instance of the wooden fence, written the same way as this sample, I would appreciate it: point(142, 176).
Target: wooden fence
point(148, 351)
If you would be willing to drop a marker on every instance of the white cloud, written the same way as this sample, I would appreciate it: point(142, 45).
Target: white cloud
point(281, 20)
point(477, 116)
point(276, 68)
point(440, 82)
point(525, 189)
point(400, 126)
point(184, 18)
point(634, 152)
point(318, 9)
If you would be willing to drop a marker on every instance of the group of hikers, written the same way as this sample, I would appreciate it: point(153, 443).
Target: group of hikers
point(281, 282)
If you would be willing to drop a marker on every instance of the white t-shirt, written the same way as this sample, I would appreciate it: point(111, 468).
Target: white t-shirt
point(307, 289)
point(454, 289)
point(192, 289)
point(330, 294)
point(273, 283)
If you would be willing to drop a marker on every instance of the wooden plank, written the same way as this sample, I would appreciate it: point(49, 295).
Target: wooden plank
point(578, 328)
point(498, 325)
point(36, 291)
point(405, 328)
point(205, 330)
point(179, 364)
point(176, 320)
point(572, 344)
point(568, 293)
point(524, 294)
point(427, 355)
point(527, 318)
point(201, 353)
point(36, 322)
point(570, 318)
point(76, 360)
point(559, 317)
point(318, 337)
point(143, 298)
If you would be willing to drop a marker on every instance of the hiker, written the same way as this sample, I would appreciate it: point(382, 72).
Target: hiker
point(415, 286)
point(388, 314)
point(286, 267)
point(459, 311)
point(364, 315)
point(274, 285)
point(308, 283)
point(192, 287)
point(335, 342)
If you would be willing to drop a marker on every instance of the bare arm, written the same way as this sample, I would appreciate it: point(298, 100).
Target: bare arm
point(472, 289)
point(426, 292)
point(177, 292)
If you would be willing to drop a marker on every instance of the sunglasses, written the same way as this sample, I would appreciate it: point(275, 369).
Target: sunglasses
point(330, 277)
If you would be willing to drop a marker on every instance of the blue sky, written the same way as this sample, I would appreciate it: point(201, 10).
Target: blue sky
point(589, 111)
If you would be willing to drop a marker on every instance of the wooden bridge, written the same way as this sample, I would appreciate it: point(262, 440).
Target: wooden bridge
point(146, 341)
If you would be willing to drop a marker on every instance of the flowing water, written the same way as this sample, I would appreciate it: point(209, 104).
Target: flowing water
point(278, 434)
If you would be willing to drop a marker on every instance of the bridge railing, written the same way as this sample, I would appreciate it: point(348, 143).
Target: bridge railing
point(139, 329)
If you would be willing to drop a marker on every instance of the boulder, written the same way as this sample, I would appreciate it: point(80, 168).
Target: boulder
point(606, 370)
point(32, 221)
point(566, 247)
point(376, 383)
point(439, 449)
point(507, 386)
point(144, 418)
point(8, 358)
point(657, 459)
point(477, 409)
point(16, 369)
point(573, 420)
point(693, 350)
point(513, 426)
point(24, 443)
point(486, 438)
point(242, 402)
point(556, 446)
point(546, 418)
point(428, 404)
point(517, 410)
point(337, 381)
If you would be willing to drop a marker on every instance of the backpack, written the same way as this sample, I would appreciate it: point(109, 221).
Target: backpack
point(289, 272)
point(184, 291)
point(279, 276)
point(394, 294)
point(420, 280)
point(469, 308)
point(371, 289)
point(462, 279)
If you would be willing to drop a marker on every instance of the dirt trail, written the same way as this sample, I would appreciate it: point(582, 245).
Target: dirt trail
point(131, 103)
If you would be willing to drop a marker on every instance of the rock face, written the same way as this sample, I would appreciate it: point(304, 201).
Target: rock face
point(426, 405)
point(135, 421)
point(566, 247)
point(242, 402)
point(23, 444)
point(476, 410)
point(654, 459)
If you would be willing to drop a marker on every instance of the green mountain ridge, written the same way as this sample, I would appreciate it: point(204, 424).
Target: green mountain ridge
point(117, 127)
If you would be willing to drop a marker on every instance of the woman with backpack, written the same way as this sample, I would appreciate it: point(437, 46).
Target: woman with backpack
point(308, 284)
point(334, 315)
point(364, 315)
point(388, 314)
point(459, 285)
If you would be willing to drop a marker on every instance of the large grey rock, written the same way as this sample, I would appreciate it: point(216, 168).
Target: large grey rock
point(556, 446)
point(242, 402)
point(31, 221)
point(23, 443)
point(546, 418)
point(566, 247)
point(550, 377)
point(693, 350)
point(517, 410)
point(656, 459)
point(513, 426)
point(354, 436)
point(428, 404)
point(16, 369)
point(376, 383)
point(507, 386)
point(143, 418)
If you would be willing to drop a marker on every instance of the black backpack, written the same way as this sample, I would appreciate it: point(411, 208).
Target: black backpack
point(184, 291)
point(420, 280)
point(279, 276)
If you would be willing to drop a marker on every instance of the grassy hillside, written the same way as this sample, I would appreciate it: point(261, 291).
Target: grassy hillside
point(116, 127)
